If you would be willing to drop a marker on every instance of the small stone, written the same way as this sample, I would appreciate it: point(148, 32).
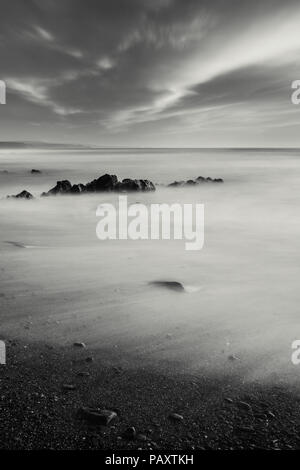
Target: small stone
point(83, 374)
point(228, 400)
point(89, 359)
point(129, 434)
point(68, 387)
point(244, 405)
point(141, 437)
point(97, 416)
point(79, 345)
point(176, 417)
point(232, 357)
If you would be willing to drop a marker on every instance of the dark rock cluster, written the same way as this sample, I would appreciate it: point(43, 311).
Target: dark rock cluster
point(111, 183)
point(22, 195)
point(198, 180)
point(104, 183)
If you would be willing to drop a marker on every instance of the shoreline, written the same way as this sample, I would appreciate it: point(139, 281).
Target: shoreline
point(38, 412)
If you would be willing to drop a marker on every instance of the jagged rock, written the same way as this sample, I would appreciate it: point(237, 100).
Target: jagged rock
point(128, 184)
point(198, 180)
point(78, 188)
point(62, 187)
point(22, 195)
point(104, 183)
point(96, 415)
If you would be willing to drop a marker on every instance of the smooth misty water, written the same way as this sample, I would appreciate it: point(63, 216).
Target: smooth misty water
point(246, 296)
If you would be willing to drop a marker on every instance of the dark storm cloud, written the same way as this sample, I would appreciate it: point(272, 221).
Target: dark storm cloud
point(120, 64)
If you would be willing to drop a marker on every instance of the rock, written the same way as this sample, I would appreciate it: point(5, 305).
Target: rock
point(173, 285)
point(77, 189)
point(176, 417)
point(198, 180)
point(232, 357)
point(68, 387)
point(83, 374)
point(176, 183)
point(62, 187)
point(244, 406)
point(79, 345)
point(228, 400)
point(22, 195)
point(141, 437)
point(89, 359)
point(129, 434)
point(104, 183)
point(33, 171)
point(135, 185)
point(97, 415)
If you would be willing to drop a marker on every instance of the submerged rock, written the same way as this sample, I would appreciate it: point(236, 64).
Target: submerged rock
point(199, 180)
point(176, 183)
point(62, 187)
point(22, 195)
point(34, 171)
point(135, 185)
point(173, 285)
point(103, 183)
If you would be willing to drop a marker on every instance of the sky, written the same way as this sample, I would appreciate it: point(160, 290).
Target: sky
point(153, 73)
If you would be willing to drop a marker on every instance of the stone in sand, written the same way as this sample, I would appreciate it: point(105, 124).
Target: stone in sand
point(173, 285)
point(176, 417)
point(96, 415)
point(79, 345)
point(68, 387)
point(129, 434)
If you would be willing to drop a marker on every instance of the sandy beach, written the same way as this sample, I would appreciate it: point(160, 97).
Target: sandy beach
point(217, 353)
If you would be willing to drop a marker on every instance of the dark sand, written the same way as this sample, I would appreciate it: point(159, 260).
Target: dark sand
point(36, 413)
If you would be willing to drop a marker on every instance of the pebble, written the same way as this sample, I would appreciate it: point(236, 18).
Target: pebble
point(68, 387)
point(176, 417)
point(97, 416)
point(129, 434)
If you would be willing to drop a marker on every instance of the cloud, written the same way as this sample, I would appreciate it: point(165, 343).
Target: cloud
point(165, 64)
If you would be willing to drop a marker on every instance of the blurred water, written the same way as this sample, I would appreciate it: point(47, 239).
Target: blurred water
point(243, 286)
